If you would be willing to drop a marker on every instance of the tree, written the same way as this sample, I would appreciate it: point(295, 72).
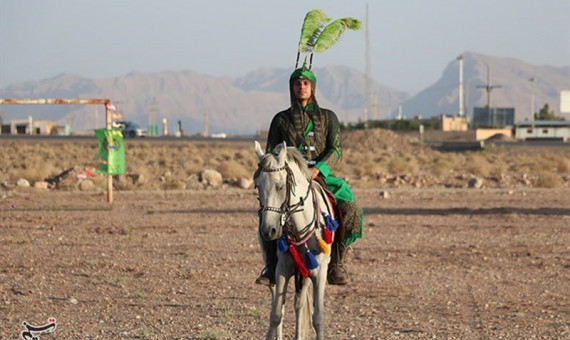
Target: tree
point(546, 114)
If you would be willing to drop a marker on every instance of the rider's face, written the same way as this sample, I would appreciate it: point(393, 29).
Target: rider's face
point(302, 89)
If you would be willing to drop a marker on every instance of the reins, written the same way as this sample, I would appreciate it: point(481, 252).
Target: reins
point(287, 209)
point(309, 229)
point(293, 239)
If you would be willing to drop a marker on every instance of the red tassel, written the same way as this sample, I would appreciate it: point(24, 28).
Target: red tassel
point(297, 261)
point(327, 236)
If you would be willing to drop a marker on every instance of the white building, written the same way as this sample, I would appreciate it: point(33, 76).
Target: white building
point(31, 127)
point(543, 129)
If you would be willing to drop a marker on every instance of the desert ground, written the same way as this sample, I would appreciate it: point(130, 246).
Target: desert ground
point(439, 259)
point(433, 263)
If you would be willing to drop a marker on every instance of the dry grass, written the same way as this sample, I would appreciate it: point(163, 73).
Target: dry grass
point(442, 166)
point(564, 166)
point(233, 169)
point(367, 156)
point(403, 165)
point(477, 164)
point(548, 180)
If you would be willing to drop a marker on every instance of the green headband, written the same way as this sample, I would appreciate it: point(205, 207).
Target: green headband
point(303, 72)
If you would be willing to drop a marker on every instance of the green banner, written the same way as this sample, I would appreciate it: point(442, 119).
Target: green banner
point(111, 156)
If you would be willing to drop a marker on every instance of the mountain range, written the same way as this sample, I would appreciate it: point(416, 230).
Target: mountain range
point(245, 105)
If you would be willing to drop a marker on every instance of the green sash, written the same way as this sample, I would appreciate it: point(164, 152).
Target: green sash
point(342, 194)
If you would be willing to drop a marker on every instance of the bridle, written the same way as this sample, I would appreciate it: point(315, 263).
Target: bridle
point(287, 209)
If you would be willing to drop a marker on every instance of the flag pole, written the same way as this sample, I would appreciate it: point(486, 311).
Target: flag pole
point(109, 176)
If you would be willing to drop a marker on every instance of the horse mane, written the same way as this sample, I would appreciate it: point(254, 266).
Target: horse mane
point(293, 156)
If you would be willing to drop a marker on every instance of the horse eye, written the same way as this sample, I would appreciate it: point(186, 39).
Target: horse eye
point(280, 187)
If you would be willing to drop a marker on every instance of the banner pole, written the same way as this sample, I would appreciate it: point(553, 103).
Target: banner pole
point(109, 176)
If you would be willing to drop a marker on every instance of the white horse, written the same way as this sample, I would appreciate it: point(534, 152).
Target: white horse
point(291, 207)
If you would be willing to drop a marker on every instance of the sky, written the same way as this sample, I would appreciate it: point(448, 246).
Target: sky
point(411, 41)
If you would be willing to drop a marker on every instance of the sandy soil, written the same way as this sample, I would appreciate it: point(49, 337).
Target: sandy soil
point(433, 264)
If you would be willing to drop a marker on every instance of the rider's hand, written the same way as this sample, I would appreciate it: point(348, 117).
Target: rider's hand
point(314, 172)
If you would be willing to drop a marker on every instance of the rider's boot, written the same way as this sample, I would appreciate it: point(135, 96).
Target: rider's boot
point(267, 276)
point(337, 274)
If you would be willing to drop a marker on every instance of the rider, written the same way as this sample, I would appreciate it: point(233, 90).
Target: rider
point(315, 132)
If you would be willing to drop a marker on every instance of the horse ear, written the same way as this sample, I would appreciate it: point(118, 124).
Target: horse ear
point(282, 155)
point(258, 150)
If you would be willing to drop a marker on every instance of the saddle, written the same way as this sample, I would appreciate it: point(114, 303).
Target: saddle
point(334, 210)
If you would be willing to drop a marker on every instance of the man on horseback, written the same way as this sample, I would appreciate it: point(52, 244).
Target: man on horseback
point(315, 132)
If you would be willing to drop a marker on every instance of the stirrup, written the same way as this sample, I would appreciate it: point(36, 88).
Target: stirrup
point(337, 275)
point(266, 278)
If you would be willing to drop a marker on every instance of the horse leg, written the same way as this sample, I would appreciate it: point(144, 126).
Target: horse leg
point(303, 310)
point(278, 293)
point(319, 284)
point(278, 333)
point(280, 328)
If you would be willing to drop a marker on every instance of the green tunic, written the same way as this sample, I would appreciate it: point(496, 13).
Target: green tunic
point(316, 133)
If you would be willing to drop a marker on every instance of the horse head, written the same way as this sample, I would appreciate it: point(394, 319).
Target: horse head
point(283, 182)
point(271, 182)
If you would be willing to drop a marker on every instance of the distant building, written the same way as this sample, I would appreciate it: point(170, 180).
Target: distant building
point(543, 129)
point(484, 134)
point(62, 130)
point(30, 126)
point(493, 117)
point(454, 123)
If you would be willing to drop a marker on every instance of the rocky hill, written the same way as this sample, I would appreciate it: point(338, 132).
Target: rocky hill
point(245, 105)
point(239, 106)
point(510, 74)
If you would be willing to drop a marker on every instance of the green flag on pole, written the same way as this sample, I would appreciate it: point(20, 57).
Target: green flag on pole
point(111, 157)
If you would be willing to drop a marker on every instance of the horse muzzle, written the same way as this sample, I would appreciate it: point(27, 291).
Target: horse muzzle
point(270, 231)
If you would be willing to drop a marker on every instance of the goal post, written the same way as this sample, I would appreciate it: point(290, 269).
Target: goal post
point(108, 119)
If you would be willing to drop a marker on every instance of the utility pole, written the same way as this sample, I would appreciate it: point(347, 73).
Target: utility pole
point(467, 97)
point(206, 124)
point(489, 88)
point(533, 88)
point(375, 105)
point(367, 83)
point(461, 107)
point(152, 127)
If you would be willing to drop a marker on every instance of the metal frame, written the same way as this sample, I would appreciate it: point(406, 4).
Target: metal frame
point(108, 120)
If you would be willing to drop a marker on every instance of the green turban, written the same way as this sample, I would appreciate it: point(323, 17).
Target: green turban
point(303, 72)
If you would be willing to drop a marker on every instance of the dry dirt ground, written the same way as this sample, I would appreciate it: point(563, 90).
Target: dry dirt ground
point(433, 264)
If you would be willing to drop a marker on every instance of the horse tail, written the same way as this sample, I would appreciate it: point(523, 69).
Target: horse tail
point(304, 309)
